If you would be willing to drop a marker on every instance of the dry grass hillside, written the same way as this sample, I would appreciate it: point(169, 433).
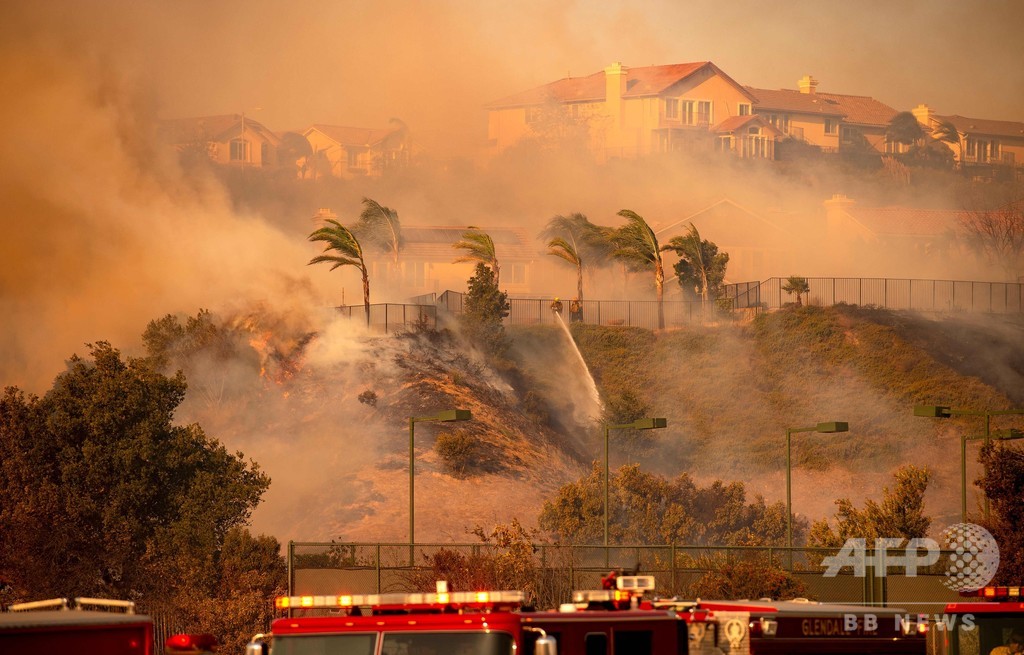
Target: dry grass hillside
point(334, 435)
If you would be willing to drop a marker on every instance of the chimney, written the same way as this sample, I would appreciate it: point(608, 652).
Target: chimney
point(836, 213)
point(923, 114)
point(615, 87)
point(807, 84)
point(322, 214)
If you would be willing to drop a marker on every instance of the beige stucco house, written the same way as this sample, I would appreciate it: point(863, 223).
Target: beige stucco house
point(349, 152)
point(225, 139)
point(986, 147)
point(828, 121)
point(630, 112)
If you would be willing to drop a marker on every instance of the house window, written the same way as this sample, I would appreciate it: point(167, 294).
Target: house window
point(697, 112)
point(518, 273)
point(831, 126)
point(672, 108)
point(744, 109)
point(239, 150)
point(353, 157)
point(532, 114)
point(753, 130)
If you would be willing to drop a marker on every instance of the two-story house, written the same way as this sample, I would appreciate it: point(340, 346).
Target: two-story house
point(349, 152)
point(225, 139)
point(631, 112)
point(828, 121)
point(986, 146)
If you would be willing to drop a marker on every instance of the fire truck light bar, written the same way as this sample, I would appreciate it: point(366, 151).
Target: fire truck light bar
point(999, 593)
point(468, 598)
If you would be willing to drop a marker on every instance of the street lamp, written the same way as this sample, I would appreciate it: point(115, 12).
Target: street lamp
point(824, 428)
point(639, 424)
point(942, 411)
point(445, 416)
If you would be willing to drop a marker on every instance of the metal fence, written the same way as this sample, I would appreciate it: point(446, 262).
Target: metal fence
point(632, 313)
point(326, 568)
point(388, 317)
point(739, 299)
point(888, 293)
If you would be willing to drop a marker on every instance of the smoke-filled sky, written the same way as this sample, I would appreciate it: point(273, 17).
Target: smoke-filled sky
point(100, 231)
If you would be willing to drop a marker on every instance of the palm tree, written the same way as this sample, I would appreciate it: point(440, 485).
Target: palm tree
point(904, 128)
point(479, 247)
point(345, 250)
point(798, 285)
point(637, 247)
point(947, 132)
point(699, 262)
point(380, 226)
point(576, 240)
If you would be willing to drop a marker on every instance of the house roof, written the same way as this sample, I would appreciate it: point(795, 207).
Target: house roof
point(728, 223)
point(861, 110)
point(434, 243)
point(735, 123)
point(640, 82)
point(905, 221)
point(351, 136)
point(966, 125)
point(220, 129)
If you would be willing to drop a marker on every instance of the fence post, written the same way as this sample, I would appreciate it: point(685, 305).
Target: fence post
point(378, 568)
point(672, 565)
point(291, 572)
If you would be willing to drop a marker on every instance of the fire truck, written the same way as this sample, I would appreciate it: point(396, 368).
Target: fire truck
point(607, 621)
point(980, 625)
point(87, 626)
point(796, 627)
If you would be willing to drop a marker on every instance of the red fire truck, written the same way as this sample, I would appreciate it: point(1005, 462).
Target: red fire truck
point(65, 626)
point(796, 627)
point(978, 626)
point(598, 622)
point(111, 627)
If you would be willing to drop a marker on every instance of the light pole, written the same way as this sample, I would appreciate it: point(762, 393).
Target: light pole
point(639, 424)
point(445, 416)
point(824, 428)
point(942, 411)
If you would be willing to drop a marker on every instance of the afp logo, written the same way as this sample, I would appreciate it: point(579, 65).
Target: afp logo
point(974, 559)
point(973, 556)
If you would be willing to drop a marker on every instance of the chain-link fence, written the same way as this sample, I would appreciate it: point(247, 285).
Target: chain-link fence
point(887, 293)
point(550, 573)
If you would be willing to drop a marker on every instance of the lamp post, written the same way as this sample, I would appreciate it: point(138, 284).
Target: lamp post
point(942, 411)
point(639, 424)
point(445, 416)
point(824, 428)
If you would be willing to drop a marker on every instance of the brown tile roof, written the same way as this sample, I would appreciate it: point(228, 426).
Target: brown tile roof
point(984, 126)
point(860, 110)
point(904, 221)
point(434, 243)
point(640, 81)
point(734, 123)
point(219, 128)
point(351, 136)
point(789, 100)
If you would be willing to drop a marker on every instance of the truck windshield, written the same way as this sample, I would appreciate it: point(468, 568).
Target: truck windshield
point(993, 634)
point(350, 644)
point(447, 643)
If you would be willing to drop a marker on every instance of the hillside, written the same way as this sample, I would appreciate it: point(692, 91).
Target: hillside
point(334, 431)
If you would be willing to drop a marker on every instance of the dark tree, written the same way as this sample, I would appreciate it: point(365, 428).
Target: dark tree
point(485, 308)
point(1003, 484)
point(103, 495)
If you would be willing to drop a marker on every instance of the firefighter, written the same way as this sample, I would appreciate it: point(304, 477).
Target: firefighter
point(1014, 645)
point(556, 306)
point(575, 311)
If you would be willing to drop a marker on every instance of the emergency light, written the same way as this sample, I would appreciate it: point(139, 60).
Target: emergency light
point(456, 599)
